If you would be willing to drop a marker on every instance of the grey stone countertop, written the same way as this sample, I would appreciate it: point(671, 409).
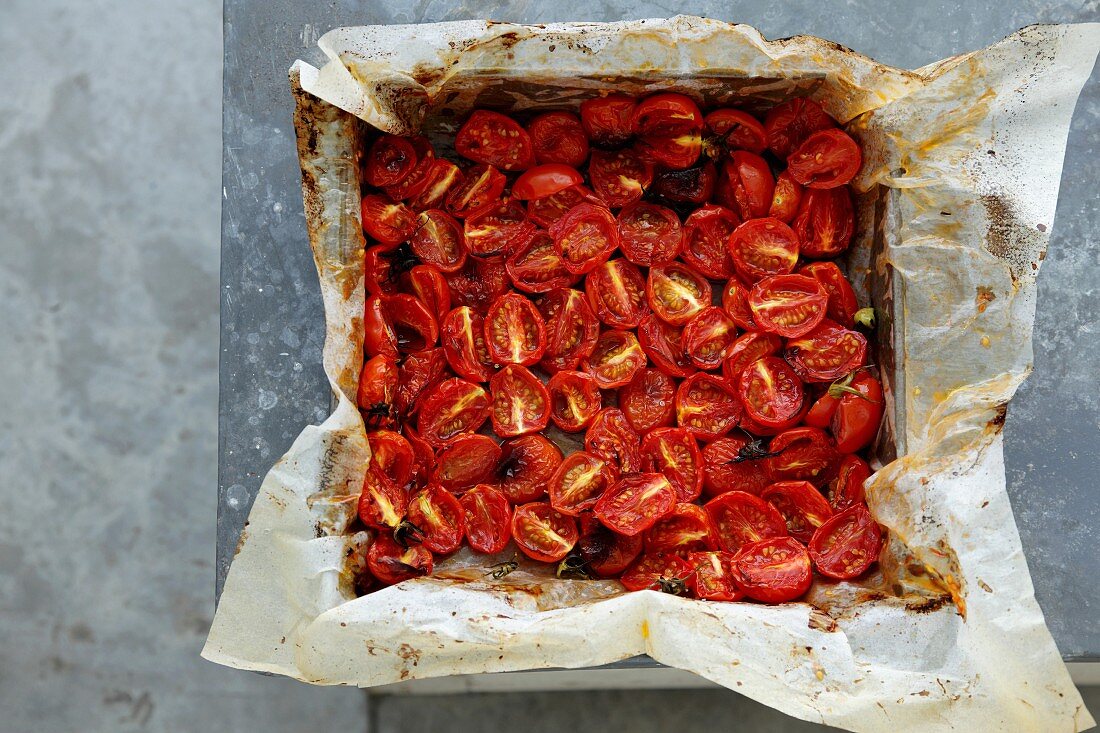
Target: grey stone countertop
point(272, 384)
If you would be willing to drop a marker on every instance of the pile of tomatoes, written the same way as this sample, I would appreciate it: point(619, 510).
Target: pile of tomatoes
point(656, 279)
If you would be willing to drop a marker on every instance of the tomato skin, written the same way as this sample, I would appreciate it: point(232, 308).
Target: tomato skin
point(571, 329)
point(419, 372)
point(488, 519)
point(705, 233)
point(387, 221)
point(453, 408)
point(635, 502)
point(745, 184)
point(616, 358)
point(479, 283)
point(788, 124)
point(763, 247)
point(645, 573)
point(520, 402)
point(802, 454)
point(495, 139)
point(545, 180)
point(735, 302)
point(526, 466)
point(707, 337)
point(378, 336)
point(707, 406)
point(675, 453)
point(423, 455)
point(825, 222)
point(856, 420)
point(616, 294)
point(802, 506)
point(579, 481)
point(770, 392)
point(427, 284)
point(821, 413)
point(676, 292)
point(788, 305)
point(842, 305)
point(667, 113)
point(648, 400)
point(439, 517)
point(391, 563)
point(786, 199)
point(608, 120)
point(378, 391)
point(559, 137)
point(605, 553)
point(826, 159)
point(713, 577)
point(574, 400)
point(413, 325)
point(846, 488)
point(389, 161)
point(736, 130)
point(846, 545)
point(693, 185)
point(649, 234)
point(620, 177)
point(476, 191)
point(514, 331)
point(437, 183)
point(775, 570)
point(684, 530)
point(585, 237)
point(662, 343)
point(467, 461)
point(543, 533)
point(747, 348)
point(611, 438)
point(728, 467)
point(826, 353)
point(392, 456)
point(536, 268)
point(382, 502)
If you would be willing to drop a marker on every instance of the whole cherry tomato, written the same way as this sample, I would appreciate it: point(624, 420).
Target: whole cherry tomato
point(859, 413)
point(545, 180)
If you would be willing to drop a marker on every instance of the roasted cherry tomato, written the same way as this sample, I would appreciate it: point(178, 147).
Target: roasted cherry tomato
point(467, 461)
point(477, 190)
point(546, 211)
point(420, 371)
point(382, 503)
point(802, 506)
point(675, 453)
point(558, 137)
point(605, 554)
point(770, 391)
point(463, 338)
point(579, 481)
point(826, 353)
point(608, 120)
point(842, 305)
point(392, 456)
point(479, 283)
point(648, 401)
point(846, 545)
point(658, 571)
point(825, 222)
point(500, 229)
point(378, 391)
point(820, 414)
point(740, 518)
point(713, 577)
point(545, 180)
point(379, 336)
point(707, 337)
point(616, 293)
point(787, 125)
point(684, 530)
point(427, 284)
point(414, 325)
point(649, 234)
point(745, 184)
point(384, 265)
point(390, 160)
point(788, 305)
point(536, 267)
point(514, 331)
point(693, 185)
point(857, 417)
point(774, 570)
point(802, 454)
point(734, 463)
point(707, 406)
point(494, 139)
point(826, 159)
point(635, 502)
point(423, 455)
point(451, 409)
point(735, 130)
point(438, 516)
point(786, 199)
point(574, 400)
point(676, 152)
point(735, 302)
point(662, 343)
point(520, 402)
point(585, 237)
point(610, 437)
point(619, 177)
point(571, 329)
point(616, 358)
point(526, 466)
point(438, 182)
point(543, 533)
point(419, 176)
point(676, 292)
point(762, 247)
point(488, 519)
point(846, 488)
point(391, 563)
point(706, 232)
point(669, 127)
point(387, 221)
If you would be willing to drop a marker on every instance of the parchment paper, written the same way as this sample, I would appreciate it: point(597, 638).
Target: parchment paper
point(958, 193)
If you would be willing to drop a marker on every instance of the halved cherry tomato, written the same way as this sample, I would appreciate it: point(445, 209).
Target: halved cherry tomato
point(762, 247)
point(757, 428)
point(714, 578)
point(657, 569)
point(585, 237)
point(488, 519)
point(385, 220)
point(605, 553)
point(770, 391)
point(820, 414)
point(825, 222)
point(546, 211)
point(734, 463)
point(574, 400)
point(707, 406)
point(607, 120)
point(663, 344)
point(857, 417)
point(788, 305)
point(537, 268)
point(649, 234)
point(378, 336)
point(383, 503)
point(619, 177)
point(802, 506)
point(740, 518)
point(520, 402)
point(708, 336)
point(479, 189)
point(417, 179)
point(611, 438)
point(846, 545)
point(419, 371)
point(501, 228)
point(514, 331)
point(571, 329)
point(842, 305)
point(526, 466)
point(635, 502)
point(543, 533)
point(545, 180)
point(669, 125)
point(787, 125)
point(391, 563)
point(390, 160)
point(468, 460)
point(846, 489)
point(774, 570)
point(706, 232)
point(558, 137)
point(735, 302)
point(378, 391)
point(674, 452)
point(746, 185)
point(676, 292)
point(479, 283)
point(423, 455)
point(671, 151)
point(828, 352)
point(648, 401)
point(438, 182)
point(579, 482)
point(427, 284)
point(439, 240)
point(384, 265)
point(414, 326)
point(736, 130)
point(786, 199)
point(802, 454)
point(693, 185)
point(439, 517)
point(616, 292)
point(453, 408)
point(684, 530)
point(494, 139)
point(463, 338)
point(391, 455)
point(616, 358)
point(826, 159)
